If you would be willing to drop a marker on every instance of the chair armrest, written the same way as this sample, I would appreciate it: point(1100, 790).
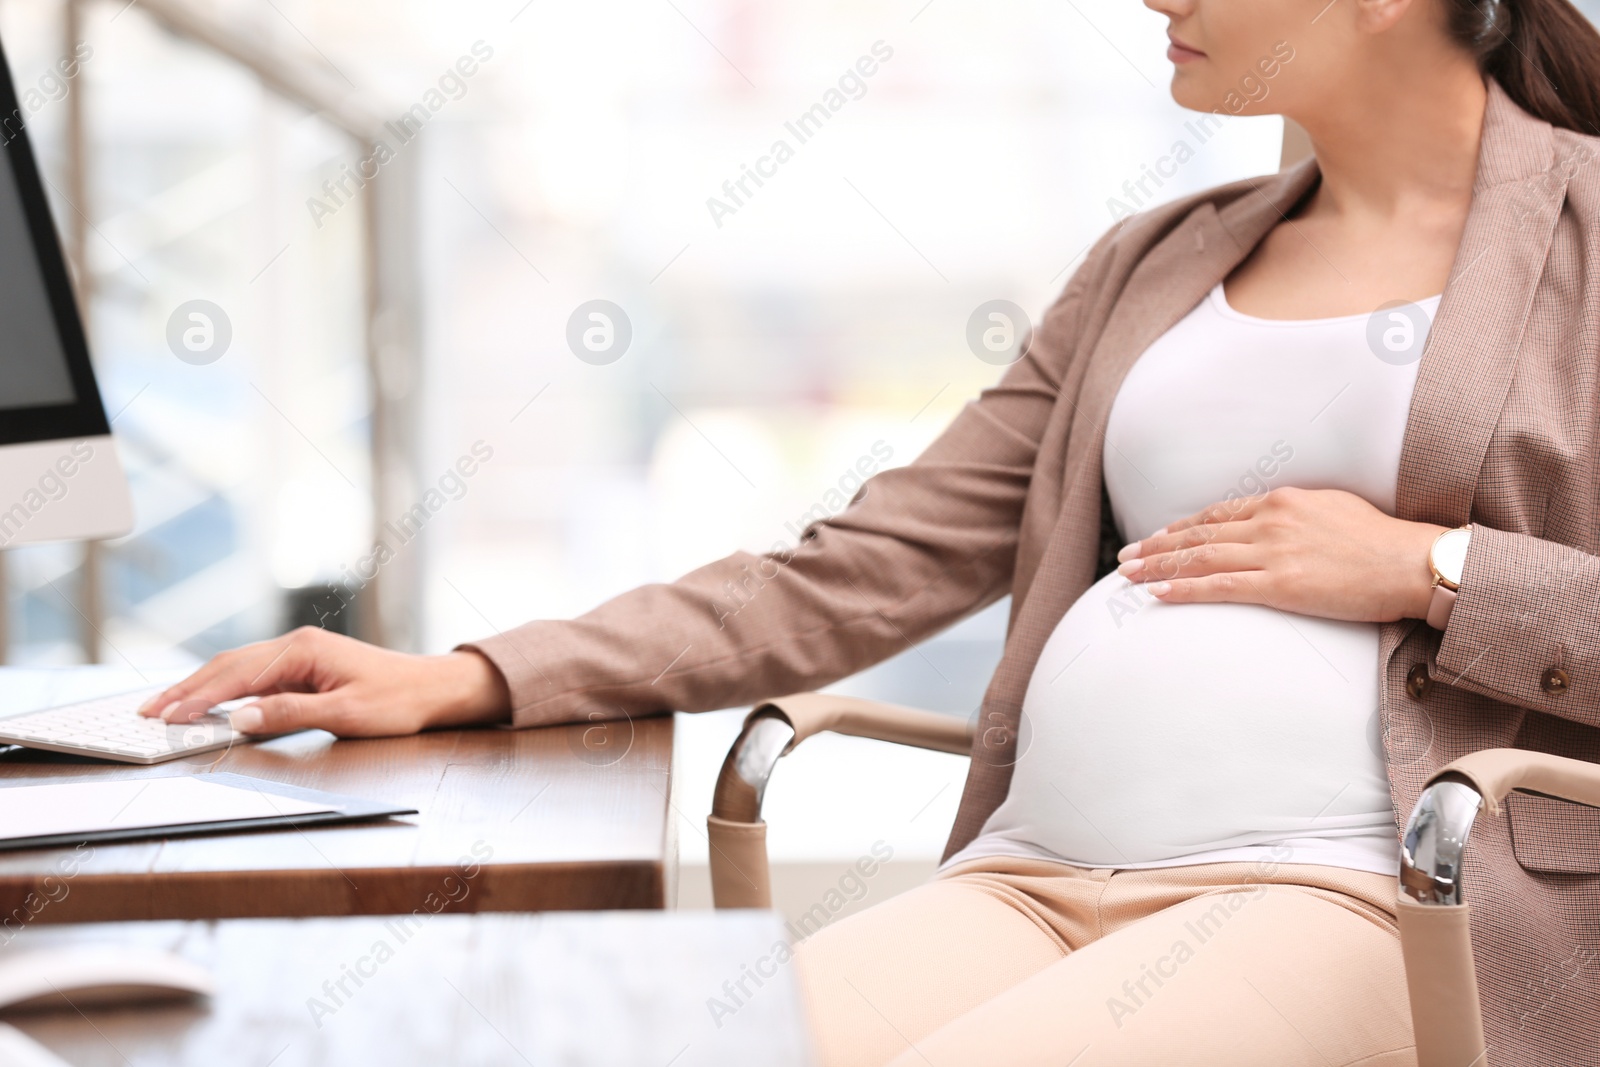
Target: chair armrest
point(1435, 925)
point(812, 713)
point(1495, 772)
point(773, 729)
point(1436, 836)
point(739, 869)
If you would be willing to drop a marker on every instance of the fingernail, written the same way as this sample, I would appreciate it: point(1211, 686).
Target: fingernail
point(1159, 588)
point(1129, 552)
point(148, 704)
point(169, 709)
point(246, 719)
point(1130, 568)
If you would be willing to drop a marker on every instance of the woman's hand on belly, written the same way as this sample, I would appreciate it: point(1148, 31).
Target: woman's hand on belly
point(1320, 552)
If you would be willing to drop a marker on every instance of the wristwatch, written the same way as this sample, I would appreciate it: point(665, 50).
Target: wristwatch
point(1446, 559)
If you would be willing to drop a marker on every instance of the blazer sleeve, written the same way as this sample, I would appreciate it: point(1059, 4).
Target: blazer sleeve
point(919, 548)
point(1526, 606)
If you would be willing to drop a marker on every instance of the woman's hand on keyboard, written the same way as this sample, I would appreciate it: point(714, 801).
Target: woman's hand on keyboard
point(311, 678)
point(1319, 552)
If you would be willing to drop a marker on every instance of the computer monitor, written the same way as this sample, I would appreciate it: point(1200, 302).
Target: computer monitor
point(60, 477)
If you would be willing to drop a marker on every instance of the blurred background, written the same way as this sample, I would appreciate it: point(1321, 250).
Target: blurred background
point(528, 158)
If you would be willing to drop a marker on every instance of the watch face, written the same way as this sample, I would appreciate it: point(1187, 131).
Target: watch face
point(1450, 554)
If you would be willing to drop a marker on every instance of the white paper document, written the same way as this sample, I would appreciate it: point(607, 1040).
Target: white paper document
point(136, 803)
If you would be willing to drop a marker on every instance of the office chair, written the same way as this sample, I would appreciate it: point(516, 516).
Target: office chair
point(1435, 935)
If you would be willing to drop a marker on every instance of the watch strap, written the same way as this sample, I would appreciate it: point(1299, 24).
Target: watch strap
point(1439, 608)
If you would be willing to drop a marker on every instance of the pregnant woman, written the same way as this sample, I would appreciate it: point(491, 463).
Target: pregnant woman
point(1294, 492)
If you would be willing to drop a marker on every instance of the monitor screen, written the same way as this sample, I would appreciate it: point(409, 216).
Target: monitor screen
point(33, 363)
point(47, 386)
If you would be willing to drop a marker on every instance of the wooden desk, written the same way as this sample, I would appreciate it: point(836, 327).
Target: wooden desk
point(511, 820)
point(597, 990)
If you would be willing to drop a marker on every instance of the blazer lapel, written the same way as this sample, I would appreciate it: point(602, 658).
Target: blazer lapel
point(1471, 352)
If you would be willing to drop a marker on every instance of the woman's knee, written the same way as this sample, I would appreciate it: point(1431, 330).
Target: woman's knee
point(882, 978)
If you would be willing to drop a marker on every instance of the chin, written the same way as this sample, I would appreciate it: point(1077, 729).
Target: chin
point(1190, 91)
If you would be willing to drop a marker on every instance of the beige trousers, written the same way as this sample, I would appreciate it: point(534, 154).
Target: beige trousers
point(1008, 962)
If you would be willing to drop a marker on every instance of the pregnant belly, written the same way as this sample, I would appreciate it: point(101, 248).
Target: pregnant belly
point(1153, 730)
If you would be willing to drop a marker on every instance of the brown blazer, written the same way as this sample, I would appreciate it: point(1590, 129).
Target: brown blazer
point(1502, 432)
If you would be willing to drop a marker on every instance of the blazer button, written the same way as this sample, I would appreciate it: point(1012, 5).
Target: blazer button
point(1418, 682)
point(1554, 680)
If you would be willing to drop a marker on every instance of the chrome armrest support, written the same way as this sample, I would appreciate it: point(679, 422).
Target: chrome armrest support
point(742, 782)
point(1435, 841)
point(741, 876)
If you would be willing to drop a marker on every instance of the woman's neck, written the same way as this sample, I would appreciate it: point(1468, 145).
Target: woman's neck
point(1398, 151)
point(1390, 145)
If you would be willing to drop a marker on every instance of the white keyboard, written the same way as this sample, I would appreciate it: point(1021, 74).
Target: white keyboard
point(112, 728)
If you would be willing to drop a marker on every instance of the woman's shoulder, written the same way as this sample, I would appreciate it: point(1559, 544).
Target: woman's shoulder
point(1163, 218)
point(1131, 237)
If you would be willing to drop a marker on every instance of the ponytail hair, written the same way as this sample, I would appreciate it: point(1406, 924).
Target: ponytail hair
point(1544, 53)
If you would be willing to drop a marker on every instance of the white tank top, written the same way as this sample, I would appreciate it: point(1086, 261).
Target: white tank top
point(1167, 734)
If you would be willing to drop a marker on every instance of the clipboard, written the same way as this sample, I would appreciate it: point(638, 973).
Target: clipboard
point(334, 808)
